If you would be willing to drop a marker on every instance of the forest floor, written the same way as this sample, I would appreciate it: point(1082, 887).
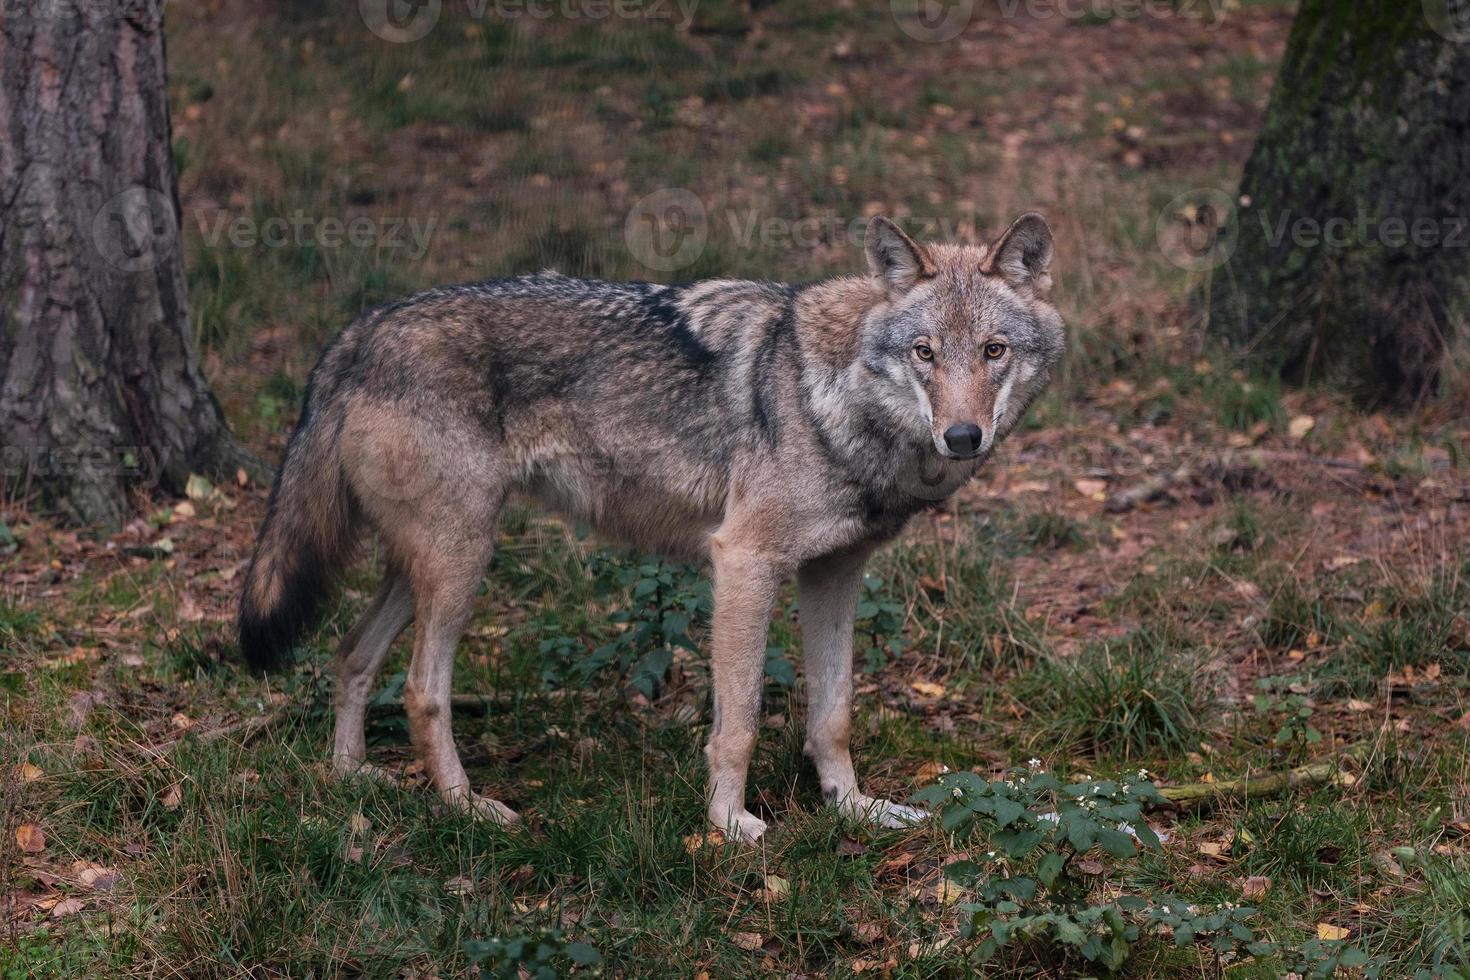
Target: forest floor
point(1296, 592)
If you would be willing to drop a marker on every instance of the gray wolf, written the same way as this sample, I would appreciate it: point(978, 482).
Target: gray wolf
point(765, 429)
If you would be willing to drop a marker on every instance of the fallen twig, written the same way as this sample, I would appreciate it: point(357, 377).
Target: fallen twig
point(1149, 490)
point(470, 704)
point(245, 730)
point(1192, 795)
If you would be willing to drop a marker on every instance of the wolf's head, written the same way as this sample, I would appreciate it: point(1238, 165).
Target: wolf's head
point(961, 338)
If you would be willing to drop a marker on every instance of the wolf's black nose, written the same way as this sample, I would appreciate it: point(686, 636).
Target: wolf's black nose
point(964, 439)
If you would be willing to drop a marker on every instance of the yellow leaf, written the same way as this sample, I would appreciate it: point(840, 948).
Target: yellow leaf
point(359, 824)
point(947, 892)
point(698, 842)
point(1092, 489)
point(928, 688)
point(31, 838)
point(929, 773)
point(1300, 426)
point(1327, 932)
point(197, 487)
point(29, 773)
point(776, 888)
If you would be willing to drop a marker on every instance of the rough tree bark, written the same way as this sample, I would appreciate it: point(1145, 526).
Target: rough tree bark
point(1352, 265)
point(100, 388)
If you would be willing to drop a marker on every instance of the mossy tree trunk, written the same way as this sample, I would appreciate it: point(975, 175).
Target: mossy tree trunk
point(1352, 262)
point(100, 388)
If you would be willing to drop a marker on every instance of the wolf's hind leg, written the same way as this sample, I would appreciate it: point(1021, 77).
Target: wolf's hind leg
point(445, 582)
point(829, 594)
point(359, 659)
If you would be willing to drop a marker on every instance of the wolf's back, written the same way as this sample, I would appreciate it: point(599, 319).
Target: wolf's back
point(304, 541)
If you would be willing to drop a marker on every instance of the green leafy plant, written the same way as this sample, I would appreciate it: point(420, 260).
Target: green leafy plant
point(1041, 882)
point(880, 622)
point(666, 604)
point(542, 956)
point(1290, 711)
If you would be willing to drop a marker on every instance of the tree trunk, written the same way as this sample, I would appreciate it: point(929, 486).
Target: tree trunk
point(100, 388)
point(1352, 265)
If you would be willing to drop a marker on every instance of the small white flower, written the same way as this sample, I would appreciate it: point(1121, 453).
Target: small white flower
point(1143, 774)
point(1049, 817)
point(1034, 763)
point(957, 793)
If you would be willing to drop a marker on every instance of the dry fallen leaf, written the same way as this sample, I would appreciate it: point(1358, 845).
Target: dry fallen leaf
point(698, 842)
point(1300, 425)
point(928, 689)
point(1092, 489)
point(31, 838)
point(30, 772)
point(1359, 706)
point(1255, 887)
point(747, 940)
point(172, 797)
point(96, 876)
point(459, 885)
point(359, 824)
point(947, 892)
point(67, 906)
point(1327, 932)
point(1215, 849)
point(776, 888)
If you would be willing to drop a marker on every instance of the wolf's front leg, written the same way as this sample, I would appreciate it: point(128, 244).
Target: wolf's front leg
point(829, 594)
point(745, 586)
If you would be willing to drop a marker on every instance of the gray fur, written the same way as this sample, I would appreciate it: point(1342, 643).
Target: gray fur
point(766, 429)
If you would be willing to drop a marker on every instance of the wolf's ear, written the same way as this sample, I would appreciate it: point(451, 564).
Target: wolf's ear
point(895, 260)
point(1022, 256)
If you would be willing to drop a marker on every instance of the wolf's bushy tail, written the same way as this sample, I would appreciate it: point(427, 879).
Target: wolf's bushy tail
point(307, 537)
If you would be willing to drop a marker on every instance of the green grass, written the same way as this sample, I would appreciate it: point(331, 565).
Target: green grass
point(1144, 695)
point(1031, 624)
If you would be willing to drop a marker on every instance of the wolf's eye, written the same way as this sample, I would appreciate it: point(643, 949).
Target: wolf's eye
point(923, 351)
point(995, 350)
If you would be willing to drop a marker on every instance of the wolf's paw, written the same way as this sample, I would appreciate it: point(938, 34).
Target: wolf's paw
point(492, 811)
point(882, 813)
point(743, 827)
point(346, 767)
